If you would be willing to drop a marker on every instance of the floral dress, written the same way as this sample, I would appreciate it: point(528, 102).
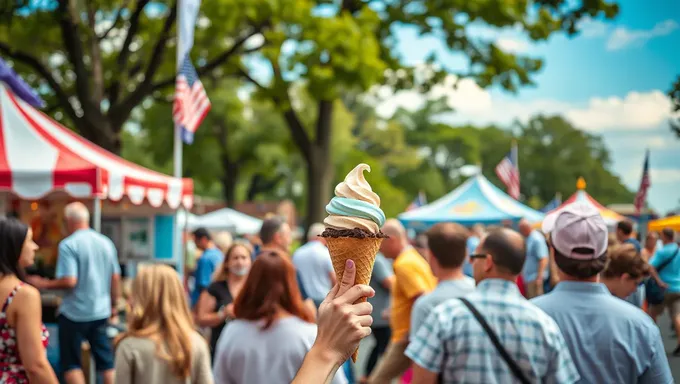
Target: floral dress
point(11, 369)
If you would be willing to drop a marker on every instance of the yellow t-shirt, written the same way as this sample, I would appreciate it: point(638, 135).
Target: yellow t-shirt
point(413, 277)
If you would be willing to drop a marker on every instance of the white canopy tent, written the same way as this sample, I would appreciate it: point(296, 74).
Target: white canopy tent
point(225, 219)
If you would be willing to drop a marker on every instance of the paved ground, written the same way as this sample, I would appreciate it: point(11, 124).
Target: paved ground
point(670, 342)
point(669, 339)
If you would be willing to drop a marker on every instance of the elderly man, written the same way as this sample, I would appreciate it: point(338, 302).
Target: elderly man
point(413, 278)
point(88, 269)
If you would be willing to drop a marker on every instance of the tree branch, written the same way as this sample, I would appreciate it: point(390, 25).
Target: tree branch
point(116, 20)
point(74, 51)
point(217, 61)
point(42, 70)
point(122, 60)
point(122, 110)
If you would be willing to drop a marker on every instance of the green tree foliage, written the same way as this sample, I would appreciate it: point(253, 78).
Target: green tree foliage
point(553, 154)
point(98, 60)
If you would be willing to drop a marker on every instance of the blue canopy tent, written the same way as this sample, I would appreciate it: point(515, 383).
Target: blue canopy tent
point(476, 201)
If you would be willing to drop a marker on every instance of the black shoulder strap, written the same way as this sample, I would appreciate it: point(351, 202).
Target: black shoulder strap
point(662, 266)
point(516, 370)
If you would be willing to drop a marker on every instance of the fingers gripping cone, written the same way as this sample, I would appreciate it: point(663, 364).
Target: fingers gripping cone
point(362, 252)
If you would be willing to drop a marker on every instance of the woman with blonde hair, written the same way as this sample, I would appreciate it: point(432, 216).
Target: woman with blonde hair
point(215, 305)
point(272, 330)
point(161, 345)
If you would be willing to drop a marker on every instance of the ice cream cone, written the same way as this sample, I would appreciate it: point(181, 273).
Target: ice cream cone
point(362, 251)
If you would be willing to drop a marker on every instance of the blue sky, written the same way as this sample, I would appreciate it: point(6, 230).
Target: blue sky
point(609, 80)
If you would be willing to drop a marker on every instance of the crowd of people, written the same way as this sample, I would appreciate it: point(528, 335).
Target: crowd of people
point(565, 304)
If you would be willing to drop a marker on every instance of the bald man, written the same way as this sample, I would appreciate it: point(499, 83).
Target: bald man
point(535, 269)
point(413, 278)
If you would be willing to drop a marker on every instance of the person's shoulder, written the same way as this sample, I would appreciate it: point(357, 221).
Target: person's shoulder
point(198, 342)
point(136, 344)
point(28, 295)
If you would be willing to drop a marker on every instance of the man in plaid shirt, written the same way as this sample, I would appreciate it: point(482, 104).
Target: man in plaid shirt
point(452, 342)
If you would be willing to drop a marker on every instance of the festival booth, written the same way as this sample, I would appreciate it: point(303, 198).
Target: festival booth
point(44, 165)
point(672, 222)
point(610, 217)
point(475, 201)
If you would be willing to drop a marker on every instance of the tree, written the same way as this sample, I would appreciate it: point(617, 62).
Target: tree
point(553, 154)
point(349, 44)
point(674, 94)
point(330, 45)
point(243, 144)
point(95, 61)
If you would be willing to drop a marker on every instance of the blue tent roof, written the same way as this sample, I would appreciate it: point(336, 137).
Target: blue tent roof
point(476, 201)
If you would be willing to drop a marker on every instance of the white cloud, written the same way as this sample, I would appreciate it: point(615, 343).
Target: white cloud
point(656, 175)
point(623, 37)
point(635, 111)
point(592, 28)
point(509, 44)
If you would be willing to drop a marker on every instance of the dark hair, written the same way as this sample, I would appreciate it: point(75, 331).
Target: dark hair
point(625, 226)
point(625, 259)
point(271, 284)
point(12, 238)
point(421, 241)
point(202, 233)
point(580, 269)
point(668, 233)
point(506, 255)
point(270, 227)
point(448, 244)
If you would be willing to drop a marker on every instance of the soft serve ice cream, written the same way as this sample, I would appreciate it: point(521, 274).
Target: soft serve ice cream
point(355, 207)
point(353, 227)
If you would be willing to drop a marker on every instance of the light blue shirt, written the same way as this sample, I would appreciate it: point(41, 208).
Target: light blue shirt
point(445, 290)
point(471, 246)
point(206, 266)
point(92, 259)
point(670, 274)
point(610, 340)
point(536, 250)
point(452, 342)
point(314, 266)
point(382, 270)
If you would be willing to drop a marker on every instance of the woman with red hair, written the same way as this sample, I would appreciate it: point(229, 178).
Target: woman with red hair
point(272, 330)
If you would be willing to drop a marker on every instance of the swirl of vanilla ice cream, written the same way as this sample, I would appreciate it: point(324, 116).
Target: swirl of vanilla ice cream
point(355, 205)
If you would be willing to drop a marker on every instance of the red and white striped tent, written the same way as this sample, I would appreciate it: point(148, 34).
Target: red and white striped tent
point(38, 156)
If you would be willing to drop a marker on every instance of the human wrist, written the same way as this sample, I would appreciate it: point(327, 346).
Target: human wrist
point(324, 357)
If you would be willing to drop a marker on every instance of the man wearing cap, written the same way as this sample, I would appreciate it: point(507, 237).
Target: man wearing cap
point(610, 340)
point(206, 264)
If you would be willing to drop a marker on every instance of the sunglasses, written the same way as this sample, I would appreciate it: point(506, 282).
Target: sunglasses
point(478, 256)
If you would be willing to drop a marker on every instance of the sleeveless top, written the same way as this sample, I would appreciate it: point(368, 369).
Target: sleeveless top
point(11, 368)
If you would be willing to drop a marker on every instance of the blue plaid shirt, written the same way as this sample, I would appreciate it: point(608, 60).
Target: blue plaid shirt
point(453, 340)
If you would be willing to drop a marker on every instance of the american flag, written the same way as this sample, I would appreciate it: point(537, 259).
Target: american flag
point(191, 102)
point(508, 172)
point(645, 183)
point(418, 202)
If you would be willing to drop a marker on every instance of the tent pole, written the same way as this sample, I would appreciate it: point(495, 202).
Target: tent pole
point(97, 214)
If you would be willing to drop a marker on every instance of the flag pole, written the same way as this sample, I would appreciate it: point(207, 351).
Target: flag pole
point(178, 249)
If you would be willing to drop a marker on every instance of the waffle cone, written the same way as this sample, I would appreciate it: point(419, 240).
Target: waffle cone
point(362, 252)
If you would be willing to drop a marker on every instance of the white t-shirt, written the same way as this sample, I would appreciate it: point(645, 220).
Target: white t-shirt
point(247, 354)
point(313, 263)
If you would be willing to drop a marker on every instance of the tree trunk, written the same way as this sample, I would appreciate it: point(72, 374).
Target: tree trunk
point(229, 182)
point(105, 133)
point(319, 177)
point(319, 166)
